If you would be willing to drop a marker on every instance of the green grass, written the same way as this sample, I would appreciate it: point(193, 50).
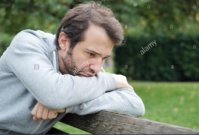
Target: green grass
point(175, 103)
point(69, 129)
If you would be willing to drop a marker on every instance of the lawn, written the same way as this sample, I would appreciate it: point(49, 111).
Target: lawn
point(175, 103)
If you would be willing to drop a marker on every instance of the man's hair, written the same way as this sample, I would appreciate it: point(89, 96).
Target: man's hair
point(77, 20)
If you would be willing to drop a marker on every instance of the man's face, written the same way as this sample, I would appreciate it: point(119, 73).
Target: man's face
point(87, 57)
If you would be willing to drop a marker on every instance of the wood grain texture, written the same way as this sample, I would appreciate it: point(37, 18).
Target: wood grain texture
point(112, 123)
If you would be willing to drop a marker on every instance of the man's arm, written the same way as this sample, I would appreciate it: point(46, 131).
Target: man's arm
point(50, 88)
point(123, 100)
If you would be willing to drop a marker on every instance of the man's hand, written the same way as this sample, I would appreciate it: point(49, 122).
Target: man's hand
point(41, 112)
point(121, 81)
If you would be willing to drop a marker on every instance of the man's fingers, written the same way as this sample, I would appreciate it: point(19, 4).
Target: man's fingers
point(121, 81)
point(60, 110)
point(34, 118)
point(39, 111)
point(45, 113)
point(34, 110)
point(52, 114)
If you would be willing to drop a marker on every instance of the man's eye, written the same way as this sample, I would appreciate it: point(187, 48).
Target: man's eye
point(91, 54)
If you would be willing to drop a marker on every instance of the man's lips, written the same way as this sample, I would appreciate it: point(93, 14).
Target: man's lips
point(87, 74)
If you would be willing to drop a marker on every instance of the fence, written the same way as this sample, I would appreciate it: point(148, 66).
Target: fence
point(113, 123)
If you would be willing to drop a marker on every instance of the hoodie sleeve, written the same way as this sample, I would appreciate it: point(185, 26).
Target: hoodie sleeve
point(27, 58)
point(123, 100)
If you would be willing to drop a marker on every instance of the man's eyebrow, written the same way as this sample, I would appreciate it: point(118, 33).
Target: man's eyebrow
point(106, 56)
point(92, 51)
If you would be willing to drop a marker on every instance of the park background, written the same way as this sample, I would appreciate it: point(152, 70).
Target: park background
point(159, 55)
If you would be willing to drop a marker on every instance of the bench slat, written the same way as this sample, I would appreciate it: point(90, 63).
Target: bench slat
point(113, 123)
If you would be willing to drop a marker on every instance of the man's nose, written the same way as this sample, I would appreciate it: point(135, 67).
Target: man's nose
point(96, 65)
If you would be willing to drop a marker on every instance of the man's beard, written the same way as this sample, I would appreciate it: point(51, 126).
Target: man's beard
point(71, 66)
point(73, 69)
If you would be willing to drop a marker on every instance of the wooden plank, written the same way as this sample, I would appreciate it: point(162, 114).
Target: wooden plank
point(112, 123)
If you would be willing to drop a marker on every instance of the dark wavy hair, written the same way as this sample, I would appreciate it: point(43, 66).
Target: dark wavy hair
point(77, 20)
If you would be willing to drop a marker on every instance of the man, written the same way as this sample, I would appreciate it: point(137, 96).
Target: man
point(43, 77)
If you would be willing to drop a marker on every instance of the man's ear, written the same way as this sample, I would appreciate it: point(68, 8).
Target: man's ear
point(64, 42)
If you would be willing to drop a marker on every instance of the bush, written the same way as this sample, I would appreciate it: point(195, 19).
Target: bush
point(159, 58)
point(4, 42)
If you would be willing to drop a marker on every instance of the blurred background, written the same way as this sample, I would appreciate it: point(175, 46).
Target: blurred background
point(159, 55)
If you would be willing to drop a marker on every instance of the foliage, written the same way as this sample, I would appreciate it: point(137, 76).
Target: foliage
point(17, 15)
point(140, 18)
point(159, 58)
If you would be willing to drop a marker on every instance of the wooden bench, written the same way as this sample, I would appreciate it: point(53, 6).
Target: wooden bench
point(112, 123)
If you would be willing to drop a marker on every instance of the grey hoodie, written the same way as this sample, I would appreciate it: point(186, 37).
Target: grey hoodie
point(29, 74)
